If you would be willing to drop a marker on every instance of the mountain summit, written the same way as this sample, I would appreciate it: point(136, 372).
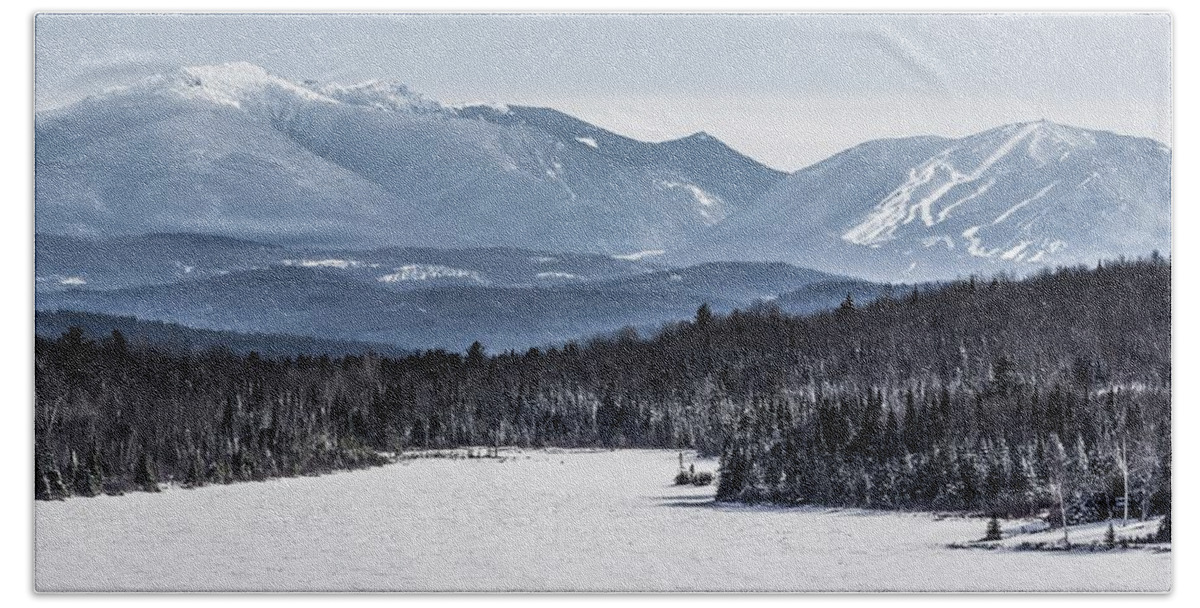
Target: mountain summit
point(1017, 197)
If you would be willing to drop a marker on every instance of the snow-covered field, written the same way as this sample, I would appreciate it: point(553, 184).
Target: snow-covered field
point(536, 520)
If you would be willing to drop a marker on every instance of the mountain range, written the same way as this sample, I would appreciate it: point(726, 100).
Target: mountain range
point(232, 150)
point(229, 199)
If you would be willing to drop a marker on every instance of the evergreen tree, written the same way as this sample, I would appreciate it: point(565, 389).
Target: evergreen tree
point(847, 304)
point(732, 475)
point(993, 529)
point(41, 487)
point(145, 477)
point(475, 354)
point(1163, 534)
point(95, 471)
point(196, 473)
point(84, 480)
point(57, 489)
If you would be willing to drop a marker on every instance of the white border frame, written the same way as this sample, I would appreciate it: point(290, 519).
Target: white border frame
point(17, 270)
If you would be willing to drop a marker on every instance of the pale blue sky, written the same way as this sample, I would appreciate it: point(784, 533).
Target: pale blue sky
point(786, 89)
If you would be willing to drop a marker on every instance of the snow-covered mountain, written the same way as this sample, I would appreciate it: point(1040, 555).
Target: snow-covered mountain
point(1014, 198)
point(717, 174)
point(232, 150)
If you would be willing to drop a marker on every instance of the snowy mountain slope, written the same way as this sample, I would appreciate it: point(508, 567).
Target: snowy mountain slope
point(157, 164)
point(1014, 198)
point(701, 163)
point(235, 151)
point(807, 208)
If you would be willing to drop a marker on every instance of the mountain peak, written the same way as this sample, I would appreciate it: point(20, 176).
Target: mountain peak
point(231, 84)
point(244, 85)
point(1039, 133)
point(699, 137)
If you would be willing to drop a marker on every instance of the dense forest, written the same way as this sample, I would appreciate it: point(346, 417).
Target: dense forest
point(1001, 395)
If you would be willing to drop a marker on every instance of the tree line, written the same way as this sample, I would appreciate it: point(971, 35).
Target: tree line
point(999, 394)
point(1014, 398)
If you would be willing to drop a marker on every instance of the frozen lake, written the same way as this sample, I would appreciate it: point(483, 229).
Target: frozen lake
point(538, 521)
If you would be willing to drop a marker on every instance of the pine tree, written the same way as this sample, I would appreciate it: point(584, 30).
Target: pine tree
point(475, 354)
point(703, 316)
point(196, 475)
point(84, 481)
point(74, 474)
point(993, 529)
point(847, 305)
point(731, 479)
point(95, 471)
point(57, 489)
point(1110, 537)
point(1163, 535)
point(893, 447)
point(145, 477)
point(41, 487)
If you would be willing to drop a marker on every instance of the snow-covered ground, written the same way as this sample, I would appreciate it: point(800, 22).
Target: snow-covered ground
point(1022, 534)
point(535, 520)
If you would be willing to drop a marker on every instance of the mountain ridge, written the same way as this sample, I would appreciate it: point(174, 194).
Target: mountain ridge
point(234, 151)
point(373, 164)
point(444, 305)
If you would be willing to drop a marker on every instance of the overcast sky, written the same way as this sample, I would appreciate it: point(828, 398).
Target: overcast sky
point(786, 89)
